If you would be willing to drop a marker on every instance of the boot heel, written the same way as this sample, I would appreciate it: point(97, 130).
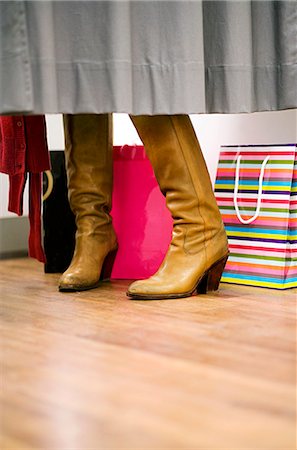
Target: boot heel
point(108, 265)
point(211, 279)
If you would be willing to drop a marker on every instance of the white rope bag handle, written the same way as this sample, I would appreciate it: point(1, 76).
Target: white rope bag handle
point(246, 221)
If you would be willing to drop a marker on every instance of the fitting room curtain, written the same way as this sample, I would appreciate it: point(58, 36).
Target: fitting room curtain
point(148, 57)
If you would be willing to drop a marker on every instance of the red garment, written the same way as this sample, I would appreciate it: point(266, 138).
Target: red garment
point(23, 149)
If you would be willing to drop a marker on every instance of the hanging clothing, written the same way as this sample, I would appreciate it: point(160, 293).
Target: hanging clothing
point(23, 150)
point(148, 57)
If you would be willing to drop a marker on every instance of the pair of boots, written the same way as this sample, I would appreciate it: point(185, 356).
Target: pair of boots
point(199, 248)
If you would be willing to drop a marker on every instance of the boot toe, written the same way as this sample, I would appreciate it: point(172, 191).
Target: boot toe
point(69, 282)
point(72, 282)
point(136, 287)
point(148, 289)
point(141, 288)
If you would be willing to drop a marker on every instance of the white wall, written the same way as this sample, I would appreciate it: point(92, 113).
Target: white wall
point(4, 197)
point(278, 127)
point(212, 130)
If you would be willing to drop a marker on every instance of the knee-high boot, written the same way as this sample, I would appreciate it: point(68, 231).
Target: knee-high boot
point(199, 247)
point(88, 151)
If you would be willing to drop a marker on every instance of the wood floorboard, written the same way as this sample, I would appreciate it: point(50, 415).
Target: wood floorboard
point(95, 370)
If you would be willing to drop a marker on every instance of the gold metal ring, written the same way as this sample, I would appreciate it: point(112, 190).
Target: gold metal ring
point(50, 185)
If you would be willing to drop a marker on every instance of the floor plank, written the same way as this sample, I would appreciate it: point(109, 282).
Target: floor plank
point(95, 370)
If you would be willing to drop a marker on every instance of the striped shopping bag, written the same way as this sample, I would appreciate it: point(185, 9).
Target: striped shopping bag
point(256, 190)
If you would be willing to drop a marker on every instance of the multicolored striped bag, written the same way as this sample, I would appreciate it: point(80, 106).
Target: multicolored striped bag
point(256, 190)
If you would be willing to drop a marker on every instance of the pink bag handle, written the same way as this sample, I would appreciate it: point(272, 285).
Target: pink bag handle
point(129, 152)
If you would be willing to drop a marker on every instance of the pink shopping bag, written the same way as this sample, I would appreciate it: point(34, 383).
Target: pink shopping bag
point(141, 220)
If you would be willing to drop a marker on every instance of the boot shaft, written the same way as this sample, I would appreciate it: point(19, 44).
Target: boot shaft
point(181, 171)
point(88, 154)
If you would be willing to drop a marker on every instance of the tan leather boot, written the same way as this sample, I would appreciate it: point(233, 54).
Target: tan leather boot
point(199, 248)
point(88, 151)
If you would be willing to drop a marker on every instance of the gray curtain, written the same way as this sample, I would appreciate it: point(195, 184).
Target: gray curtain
point(148, 57)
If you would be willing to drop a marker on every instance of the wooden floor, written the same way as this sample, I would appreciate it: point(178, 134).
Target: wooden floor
point(94, 370)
